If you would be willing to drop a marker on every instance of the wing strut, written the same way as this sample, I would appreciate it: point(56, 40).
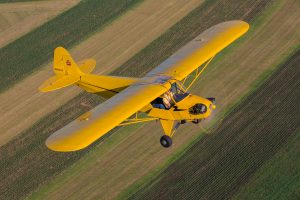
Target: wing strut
point(136, 120)
point(198, 73)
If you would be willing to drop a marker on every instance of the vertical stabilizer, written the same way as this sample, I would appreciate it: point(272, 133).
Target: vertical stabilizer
point(64, 64)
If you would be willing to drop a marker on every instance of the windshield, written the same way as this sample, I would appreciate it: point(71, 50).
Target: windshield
point(178, 91)
point(175, 94)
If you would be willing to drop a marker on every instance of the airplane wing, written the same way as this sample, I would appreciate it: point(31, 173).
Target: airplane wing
point(84, 131)
point(201, 49)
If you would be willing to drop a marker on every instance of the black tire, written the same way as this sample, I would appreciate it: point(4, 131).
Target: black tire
point(165, 141)
point(196, 121)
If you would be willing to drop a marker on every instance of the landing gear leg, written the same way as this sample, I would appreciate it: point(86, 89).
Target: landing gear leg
point(166, 141)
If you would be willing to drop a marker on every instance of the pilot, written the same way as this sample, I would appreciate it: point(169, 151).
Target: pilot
point(167, 99)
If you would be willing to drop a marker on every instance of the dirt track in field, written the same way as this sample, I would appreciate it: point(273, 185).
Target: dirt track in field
point(122, 166)
point(23, 105)
point(17, 19)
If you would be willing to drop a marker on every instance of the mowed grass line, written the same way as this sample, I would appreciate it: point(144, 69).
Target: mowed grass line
point(222, 162)
point(279, 177)
point(43, 158)
point(26, 54)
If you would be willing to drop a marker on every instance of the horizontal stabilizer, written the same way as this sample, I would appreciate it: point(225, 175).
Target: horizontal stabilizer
point(57, 82)
point(87, 66)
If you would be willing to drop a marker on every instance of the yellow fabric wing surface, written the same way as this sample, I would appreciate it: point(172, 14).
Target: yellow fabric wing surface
point(81, 133)
point(201, 49)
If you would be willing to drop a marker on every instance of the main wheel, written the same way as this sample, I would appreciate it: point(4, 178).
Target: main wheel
point(196, 121)
point(166, 141)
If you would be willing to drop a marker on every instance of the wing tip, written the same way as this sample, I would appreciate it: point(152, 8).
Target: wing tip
point(245, 25)
point(55, 145)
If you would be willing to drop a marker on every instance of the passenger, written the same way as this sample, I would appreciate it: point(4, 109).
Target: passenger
point(158, 103)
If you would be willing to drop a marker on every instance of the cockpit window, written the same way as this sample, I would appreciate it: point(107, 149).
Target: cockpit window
point(178, 91)
point(171, 97)
point(177, 88)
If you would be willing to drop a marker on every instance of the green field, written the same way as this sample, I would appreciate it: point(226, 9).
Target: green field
point(221, 163)
point(27, 54)
point(279, 178)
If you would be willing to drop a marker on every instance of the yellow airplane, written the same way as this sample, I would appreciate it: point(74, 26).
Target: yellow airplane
point(162, 94)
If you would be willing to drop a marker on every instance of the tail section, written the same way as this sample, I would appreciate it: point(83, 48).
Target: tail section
point(57, 82)
point(67, 72)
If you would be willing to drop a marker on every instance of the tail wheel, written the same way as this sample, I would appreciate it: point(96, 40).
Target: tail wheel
point(166, 141)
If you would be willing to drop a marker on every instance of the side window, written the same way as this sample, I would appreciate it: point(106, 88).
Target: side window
point(173, 88)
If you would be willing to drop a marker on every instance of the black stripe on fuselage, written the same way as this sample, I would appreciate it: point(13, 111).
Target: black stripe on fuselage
point(100, 87)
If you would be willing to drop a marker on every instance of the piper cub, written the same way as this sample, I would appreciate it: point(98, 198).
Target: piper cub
point(163, 94)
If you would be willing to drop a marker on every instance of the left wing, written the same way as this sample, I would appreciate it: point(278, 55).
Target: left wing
point(84, 131)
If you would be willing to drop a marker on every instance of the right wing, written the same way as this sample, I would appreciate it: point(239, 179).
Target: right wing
point(103, 118)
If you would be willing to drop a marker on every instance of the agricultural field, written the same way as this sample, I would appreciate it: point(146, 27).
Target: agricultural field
point(17, 19)
point(285, 185)
point(129, 161)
